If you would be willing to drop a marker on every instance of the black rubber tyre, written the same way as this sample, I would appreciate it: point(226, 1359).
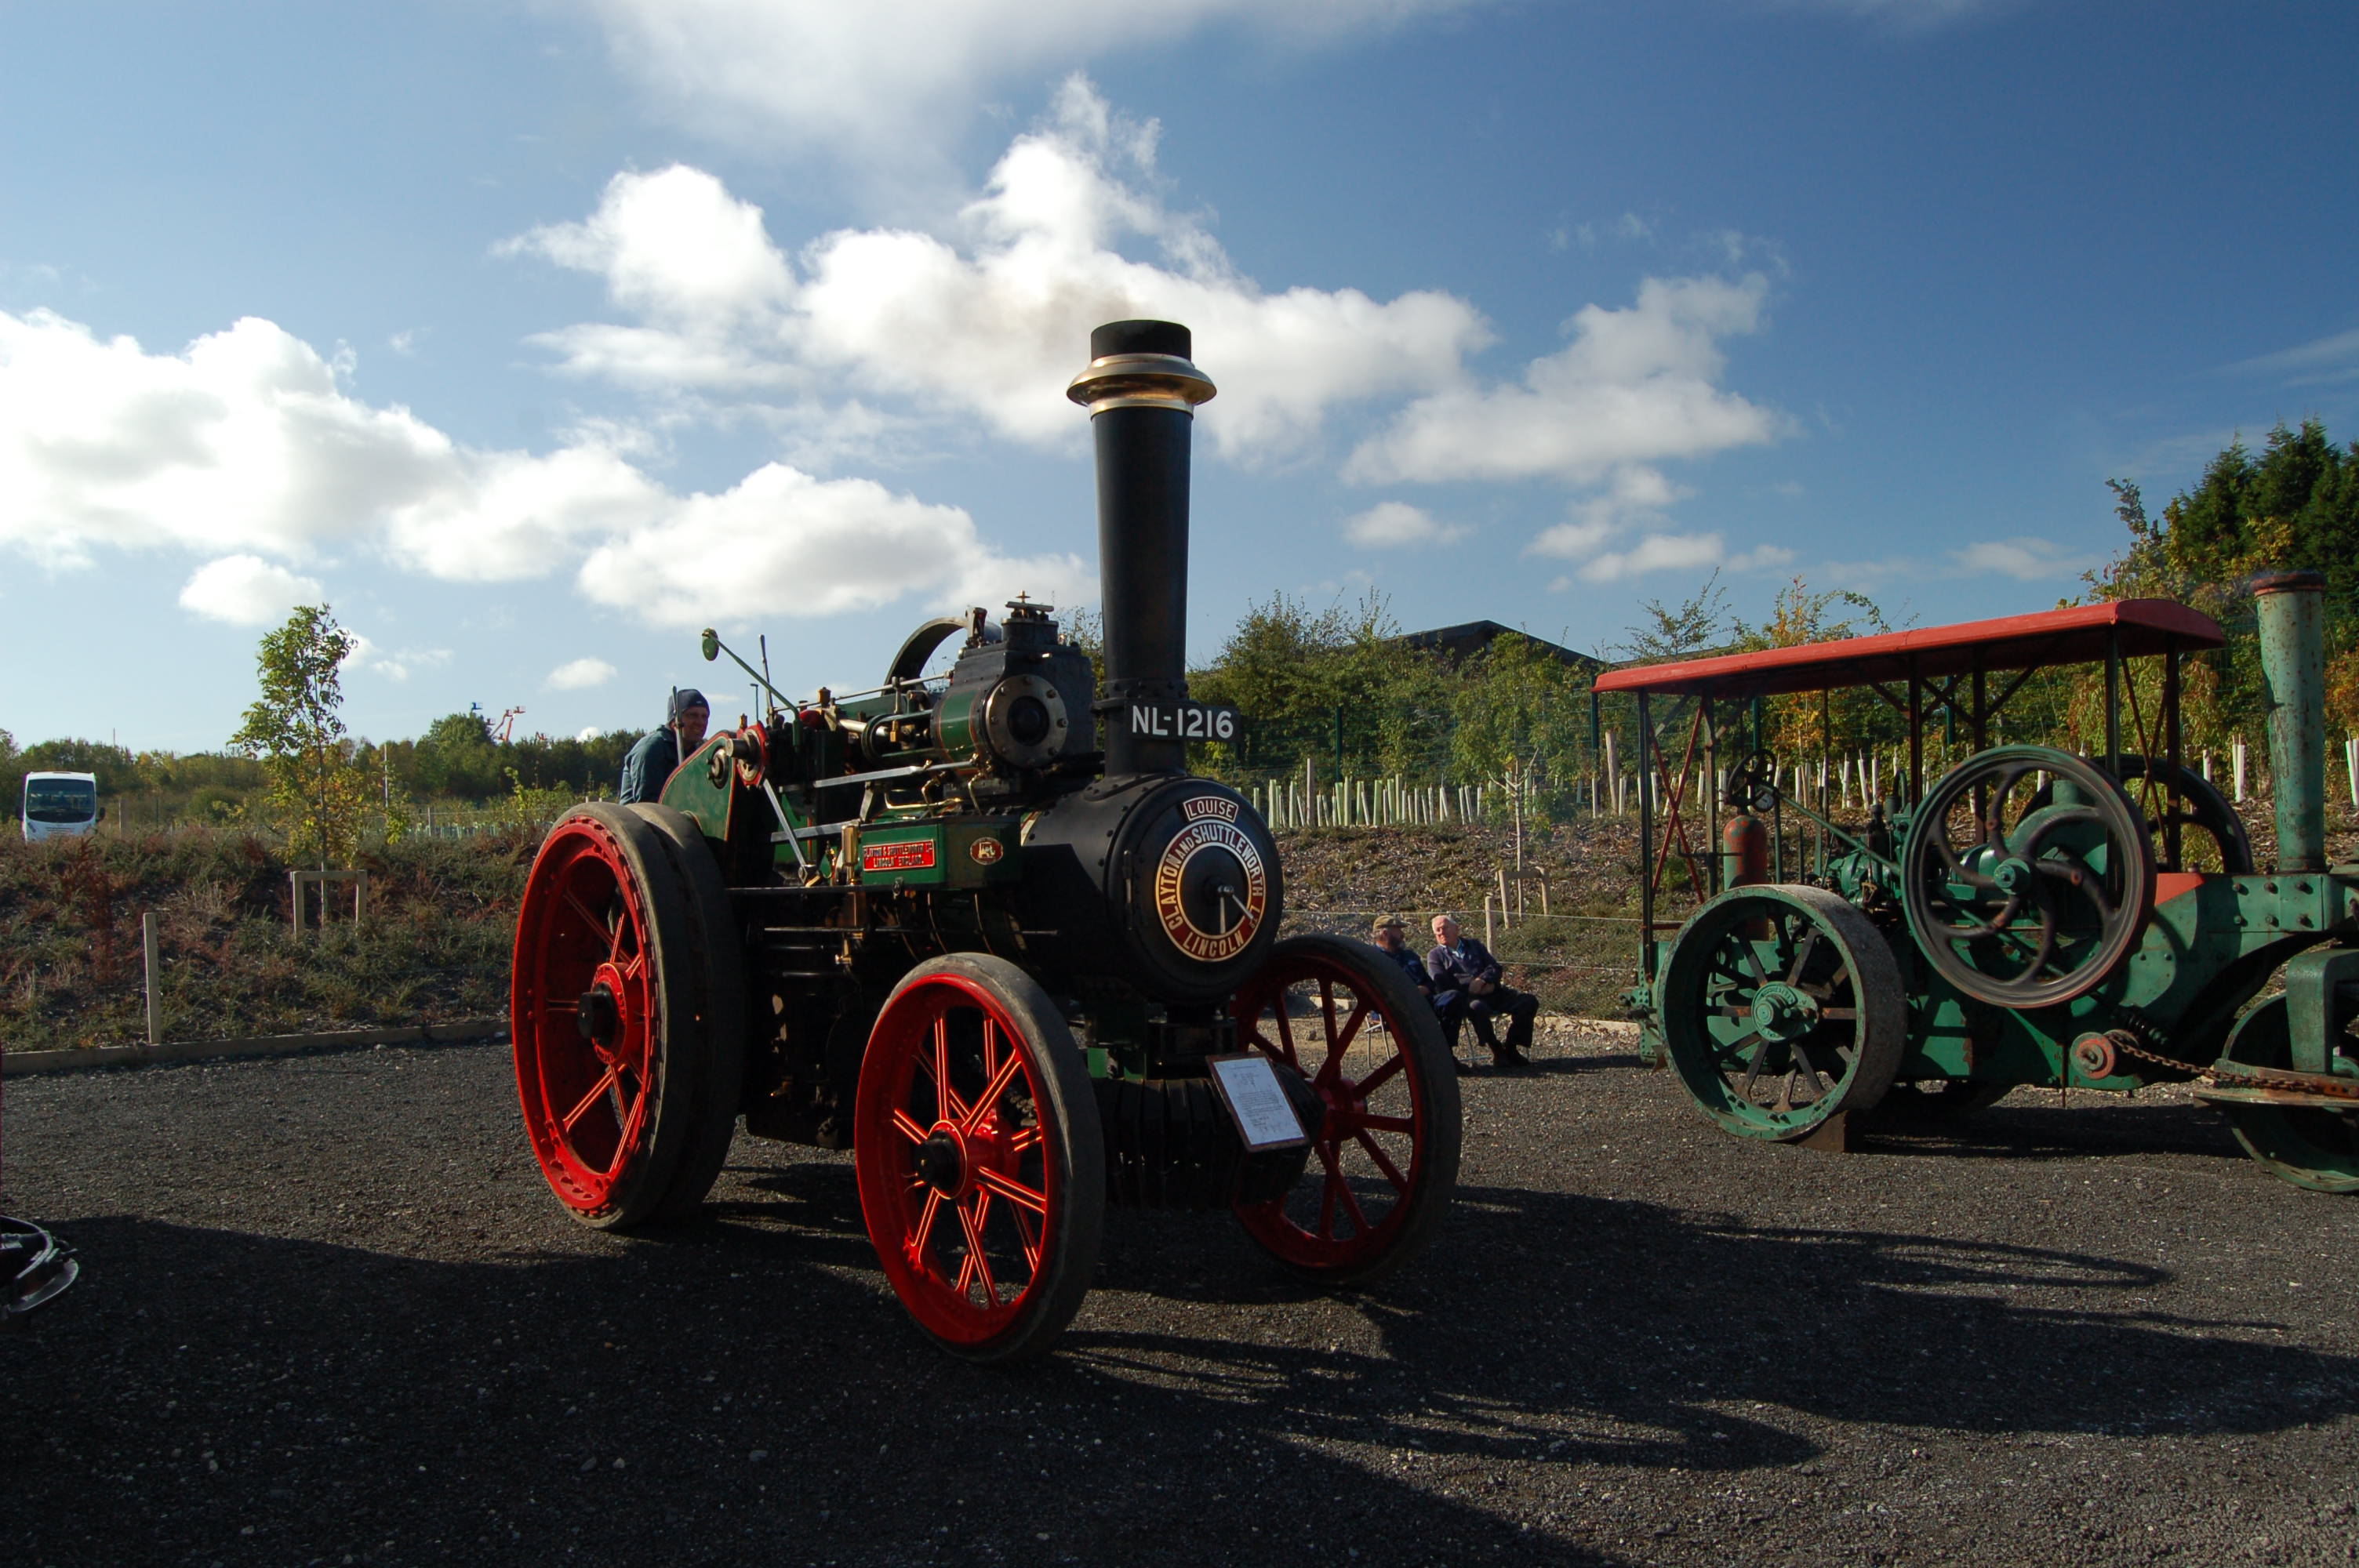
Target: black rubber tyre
point(718, 980)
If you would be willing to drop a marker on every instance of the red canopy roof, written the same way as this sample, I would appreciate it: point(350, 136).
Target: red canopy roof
point(2077, 634)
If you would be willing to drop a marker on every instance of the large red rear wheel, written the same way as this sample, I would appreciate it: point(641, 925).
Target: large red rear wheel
point(618, 1013)
point(1384, 1165)
point(982, 1171)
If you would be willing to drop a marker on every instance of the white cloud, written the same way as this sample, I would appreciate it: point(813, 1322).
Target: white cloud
point(247, 590)
point(247, 442)
point(393, 664)
point(580, 675)
point(1634, 492)
point(247, 448)
point(2025, 559)
point(1633, 386)
point(1391, 525)
point(991, 322)
point(882, 75)
point(785, 542)
point(1676, 552)
point(2331, 358)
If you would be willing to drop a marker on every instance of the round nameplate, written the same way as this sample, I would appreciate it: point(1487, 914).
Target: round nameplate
point(1211, 888)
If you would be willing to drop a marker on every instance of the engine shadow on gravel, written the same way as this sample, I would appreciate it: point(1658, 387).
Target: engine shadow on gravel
point(2031, 1125)
point(742, 1391)
point(1555, 1327)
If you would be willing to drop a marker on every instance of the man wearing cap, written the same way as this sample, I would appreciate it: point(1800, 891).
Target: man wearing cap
point(659, 752)
point(1463, 968)
point(1388, 937)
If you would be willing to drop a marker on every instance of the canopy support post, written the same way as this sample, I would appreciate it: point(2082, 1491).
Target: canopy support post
point(2113, 702)
point(1646, 843)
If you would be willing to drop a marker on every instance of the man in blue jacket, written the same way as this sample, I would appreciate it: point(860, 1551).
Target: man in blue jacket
point(659, 752)
point(1463, 968)
point(1389, 934)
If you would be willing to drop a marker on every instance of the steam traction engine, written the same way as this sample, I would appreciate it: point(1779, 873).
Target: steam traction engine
point(2034, 917)
point(1017, 972)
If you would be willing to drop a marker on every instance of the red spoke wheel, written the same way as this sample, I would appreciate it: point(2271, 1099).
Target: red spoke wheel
point(622, 1015)
point(1384, 1165)
point(981, 1170)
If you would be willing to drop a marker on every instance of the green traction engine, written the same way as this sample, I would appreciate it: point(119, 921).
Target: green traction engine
point(985, 930)
point(2034, 917)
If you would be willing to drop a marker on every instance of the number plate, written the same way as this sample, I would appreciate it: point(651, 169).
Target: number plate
point(1181, 720)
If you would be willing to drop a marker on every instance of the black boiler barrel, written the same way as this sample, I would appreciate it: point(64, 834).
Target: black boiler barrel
point(1141, 390)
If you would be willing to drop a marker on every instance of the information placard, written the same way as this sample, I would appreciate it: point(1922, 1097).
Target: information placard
point(1264, 1116)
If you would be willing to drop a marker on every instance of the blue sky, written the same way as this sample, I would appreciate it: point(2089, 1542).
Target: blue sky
point(535, 336)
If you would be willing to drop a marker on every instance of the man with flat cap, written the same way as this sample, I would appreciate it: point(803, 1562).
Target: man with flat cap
point(659, 752)
point(1388, 932)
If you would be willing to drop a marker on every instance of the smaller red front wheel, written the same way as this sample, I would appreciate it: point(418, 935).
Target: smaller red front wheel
point(1385, 1164)
point(981, 1170)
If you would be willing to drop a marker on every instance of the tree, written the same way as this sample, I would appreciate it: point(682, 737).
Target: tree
point(319, 799)
point(1696, 625)
point(1521, 717)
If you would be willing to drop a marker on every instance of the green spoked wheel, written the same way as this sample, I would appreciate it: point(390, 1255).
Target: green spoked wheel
point(1782, 1007)
point(2028, 877)
point(2310, 1148)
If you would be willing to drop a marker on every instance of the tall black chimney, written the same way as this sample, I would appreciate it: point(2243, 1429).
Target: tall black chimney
point(1141, 391)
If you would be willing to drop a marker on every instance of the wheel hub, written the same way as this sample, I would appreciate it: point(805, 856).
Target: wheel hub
point(598, 1014)
point(1782, 1012)
point(941, 1162)
point(2012, 874)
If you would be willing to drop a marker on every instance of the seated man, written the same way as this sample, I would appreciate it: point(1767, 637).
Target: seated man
point(659, 752)
point(1388, 937)
point(1463, 968)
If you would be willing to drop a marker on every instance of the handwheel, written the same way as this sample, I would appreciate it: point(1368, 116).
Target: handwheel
point(2025, 896)
point(1384, 1163)
point(981, 1170)
point(614, 1004)
point(1781, 1007)
point(2169, 794)
point(2308, 1147)
point(721, 1009)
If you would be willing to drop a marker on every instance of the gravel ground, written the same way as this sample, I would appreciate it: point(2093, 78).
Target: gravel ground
point(332, 1315)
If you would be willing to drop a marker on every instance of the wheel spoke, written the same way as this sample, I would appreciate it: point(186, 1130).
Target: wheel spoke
point(1332, 1067)
point(977, 1268)
point(1752, 1066)
point(1386, 1123)
point(594, 921)
point(947, 1105)
point(906, 1126)
point(1384, 1162)
point(597, 1093)
point(1802, 955)
point(1011, 1189)
point(926, 1218)
point(1374, 1080)
point(992, 1091)
point(1840, 1014)
point(1025, 1140)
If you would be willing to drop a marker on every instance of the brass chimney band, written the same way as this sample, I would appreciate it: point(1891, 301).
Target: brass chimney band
point(1140, 380)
